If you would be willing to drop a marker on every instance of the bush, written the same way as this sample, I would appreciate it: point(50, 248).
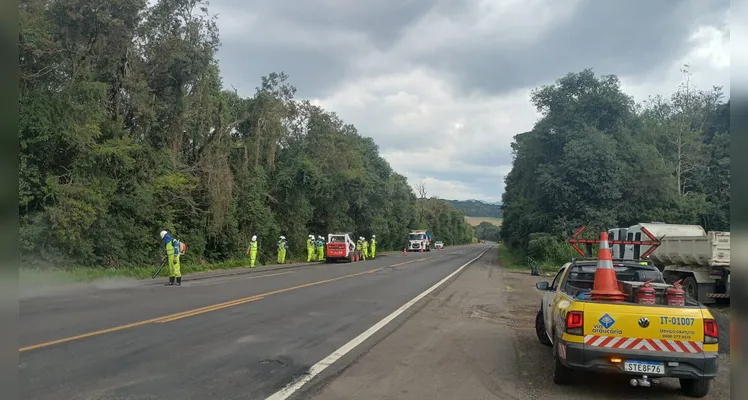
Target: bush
point(547, 248)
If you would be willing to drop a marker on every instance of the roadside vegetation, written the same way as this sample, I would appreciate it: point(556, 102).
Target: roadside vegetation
point(596, 158)
point(126, 128)
point(477, 208)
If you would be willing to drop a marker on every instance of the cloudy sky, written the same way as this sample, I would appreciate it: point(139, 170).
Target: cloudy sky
point(443, 85)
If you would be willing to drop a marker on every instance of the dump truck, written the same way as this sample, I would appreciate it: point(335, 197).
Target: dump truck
point(419, 240)
point(687, 253)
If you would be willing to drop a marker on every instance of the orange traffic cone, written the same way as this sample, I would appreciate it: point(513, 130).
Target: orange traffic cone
point(605, 287)
point(422, 250)
point(405, 251)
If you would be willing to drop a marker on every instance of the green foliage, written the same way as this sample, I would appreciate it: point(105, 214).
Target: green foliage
point(475, 208)
point(488, 231)
point(125, 129)
point(443, 221)
point(597, 159)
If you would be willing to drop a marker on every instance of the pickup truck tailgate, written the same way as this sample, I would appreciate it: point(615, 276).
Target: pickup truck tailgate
point(640, 327)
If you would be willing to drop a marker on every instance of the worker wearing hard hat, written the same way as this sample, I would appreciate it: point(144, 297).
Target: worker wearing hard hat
point(252, 251)
point(320, 248)
point(282, 248)
point(373, 246)
point(310, 248)
point(172, 253)
point(365, 248)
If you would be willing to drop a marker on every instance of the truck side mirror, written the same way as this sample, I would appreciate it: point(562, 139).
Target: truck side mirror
point(542, 285)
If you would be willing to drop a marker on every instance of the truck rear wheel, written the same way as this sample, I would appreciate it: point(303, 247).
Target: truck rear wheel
point(691, 288)
point(695, 387)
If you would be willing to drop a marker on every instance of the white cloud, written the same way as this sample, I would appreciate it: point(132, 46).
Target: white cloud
point(708, 60)
point(406, 74)
point(426, 131)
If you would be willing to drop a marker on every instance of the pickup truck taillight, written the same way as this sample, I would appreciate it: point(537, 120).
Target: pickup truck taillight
point(575, 323)
point(711, 331)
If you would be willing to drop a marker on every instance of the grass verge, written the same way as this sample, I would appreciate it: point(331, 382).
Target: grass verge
point(60, 276)
point(516, 260)
point(36, 277)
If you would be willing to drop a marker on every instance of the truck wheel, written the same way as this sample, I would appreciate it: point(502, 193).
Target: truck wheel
point(561, 374)
point(695, 387)
point(540, 329)
point(691, 288)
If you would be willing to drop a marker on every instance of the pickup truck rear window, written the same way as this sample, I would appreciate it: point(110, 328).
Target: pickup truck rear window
point(582, 277)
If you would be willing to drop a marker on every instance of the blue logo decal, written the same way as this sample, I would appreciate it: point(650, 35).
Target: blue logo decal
point(606, 321)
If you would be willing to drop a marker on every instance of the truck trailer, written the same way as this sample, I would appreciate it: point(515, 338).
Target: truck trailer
point(686, 252)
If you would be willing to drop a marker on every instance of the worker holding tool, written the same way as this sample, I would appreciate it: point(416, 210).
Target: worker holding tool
point(320, 248)
point(252, 251)
point(310, 248)
point(172, 253)
point(373, 246)
point(282, 248)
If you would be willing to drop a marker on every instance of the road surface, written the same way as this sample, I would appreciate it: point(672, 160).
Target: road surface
point(471, 337)
point(475, 339)
point(224, 337)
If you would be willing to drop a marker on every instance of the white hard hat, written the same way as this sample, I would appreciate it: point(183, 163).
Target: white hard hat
point(283, 237)
point(163, 233)
point(320, 236)
point(373, 236)
point(254, 237)
point(311, 236)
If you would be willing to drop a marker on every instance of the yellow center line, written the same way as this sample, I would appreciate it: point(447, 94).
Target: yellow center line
point(197, 311)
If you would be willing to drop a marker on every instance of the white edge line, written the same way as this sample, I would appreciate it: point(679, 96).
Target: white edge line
point(317, 368)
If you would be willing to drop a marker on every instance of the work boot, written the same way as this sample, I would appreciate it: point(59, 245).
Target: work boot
point(171, 281)
point(179, 281)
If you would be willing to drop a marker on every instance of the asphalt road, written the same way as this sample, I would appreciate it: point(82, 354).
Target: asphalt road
point(474, 339)
point(223, 336)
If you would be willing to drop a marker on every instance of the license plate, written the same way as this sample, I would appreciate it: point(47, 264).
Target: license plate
point(644, 367)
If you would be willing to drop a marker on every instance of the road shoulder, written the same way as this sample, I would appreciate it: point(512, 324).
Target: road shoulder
point(475, 339)
point(458, 345)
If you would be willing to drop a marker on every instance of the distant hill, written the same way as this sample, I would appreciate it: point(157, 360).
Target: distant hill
point(477, 208)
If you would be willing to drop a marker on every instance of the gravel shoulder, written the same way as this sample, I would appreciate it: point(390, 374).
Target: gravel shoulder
point(475, 339)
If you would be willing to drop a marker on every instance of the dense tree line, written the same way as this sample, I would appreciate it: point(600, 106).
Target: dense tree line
point(126, 128)
point(488, 231)
point(476, 208)
point(596, 158)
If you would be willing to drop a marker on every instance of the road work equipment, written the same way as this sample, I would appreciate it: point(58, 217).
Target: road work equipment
point(340, 246)
point(160, 267)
